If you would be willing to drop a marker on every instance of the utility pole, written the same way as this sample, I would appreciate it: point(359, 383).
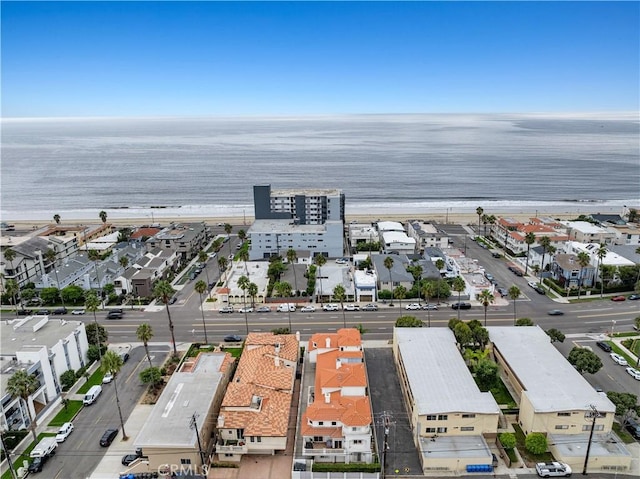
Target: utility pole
point(193, 424)
point(8, 454)
point(594, 415)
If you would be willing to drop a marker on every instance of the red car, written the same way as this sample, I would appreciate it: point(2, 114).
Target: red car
point(618, 298)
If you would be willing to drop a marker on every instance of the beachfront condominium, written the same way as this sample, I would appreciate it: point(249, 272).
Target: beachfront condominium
point(303, 206)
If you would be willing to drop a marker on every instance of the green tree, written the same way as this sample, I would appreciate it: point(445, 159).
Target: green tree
point(408, 322)
point(243, 284)
point(112, 363)
point(625, 403)
point(399, 293)
point(163, 290)
point(222, 265)
point(11, 289)
point(486, 374)
point(545, 242)
point(50, 295)
point(144, 333)
point(252, 289)
point(479, 212)
point(103, 216)
point(292, 256)
point(91, 304)
point(203, 257)
point(56, 218)
point(22, 384)
point(67, 379)
point(536, 443)
point(555, 335)
point(227, 229)
point(524, 322)
point(453, 322)
point(94, 256)
point(94, 353)
point(486, 298)
point(463, 334)
point(508, 440)
point(636, 322)
point(480, 334)
point(200, 288)
point(529, 238)
point(242, 235)
point(340, 295)
point(282, 289)
point(388, 263)
point(584, 360)
point(151, 376)
point(96, 334)
point(320, 261)
point(514, 293)
point(583, 260)
point(123, 261)
point(602, 253)
point(10, 255)
point(243, 256)
point(72, 294)
point(428, 288)
point(459, 286)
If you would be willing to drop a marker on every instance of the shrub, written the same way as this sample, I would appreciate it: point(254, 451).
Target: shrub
point(508, 440)
point(536, 443)
point(68, 379)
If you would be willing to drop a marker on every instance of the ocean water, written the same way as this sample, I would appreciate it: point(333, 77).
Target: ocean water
point(383, 163)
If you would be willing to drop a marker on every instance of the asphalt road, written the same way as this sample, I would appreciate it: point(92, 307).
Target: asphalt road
point(79, 455)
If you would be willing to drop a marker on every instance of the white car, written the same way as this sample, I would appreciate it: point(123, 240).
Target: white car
point(533, 284)
point(78, 311)
point(342, 261)
point(549, 469)
point(308, 309)
point(248, 309)
point(330, 307)
point(64, 431)
point(432, 307)
point(107, 378)
point(634, 373)
point(412, 306)
point(351, 307)
point(619, 359)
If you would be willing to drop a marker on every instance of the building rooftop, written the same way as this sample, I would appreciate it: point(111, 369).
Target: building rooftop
point(187, 392)
point(584, 227)
point(30, 331)
point(575, 445)
point(440, 380)
point(389, 226)
point(441, 447)
point(287, 226)
point(306, 192)
point(554, 384)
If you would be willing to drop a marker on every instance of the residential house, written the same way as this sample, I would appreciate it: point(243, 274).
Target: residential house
point(255, 413)
point(390, 279)
point(427, 235)
point(187, 239)
point(585, 232)
point(361, 234)
point(568, 272)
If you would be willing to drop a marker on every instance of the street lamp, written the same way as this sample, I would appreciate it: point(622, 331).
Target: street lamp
point(613, 325)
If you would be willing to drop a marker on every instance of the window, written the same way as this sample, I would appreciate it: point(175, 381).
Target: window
point(562, 426)
point(468, 416)
point(431, 417)
point(587, 427)
point(442, 430)
point(320, 423)
point(185, 461)
point(333, 423)
point(318, 439)
point(442, 417)
point(259, 439)
point(566, 414)
point(357, 441)
point(466, 428)
point(431, 430)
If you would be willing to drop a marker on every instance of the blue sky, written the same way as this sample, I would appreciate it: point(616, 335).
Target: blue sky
point(302, 58)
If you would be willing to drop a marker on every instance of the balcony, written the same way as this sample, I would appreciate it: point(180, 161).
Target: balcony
point(320, 448)
point(232, 447)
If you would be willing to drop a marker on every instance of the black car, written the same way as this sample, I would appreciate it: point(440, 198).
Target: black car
point(129, 458)
point(496, 255)
point(108, 437)
point(633, 427)
point(114, 315)
point(461, 306)
point(37, 463)
point(43, 312)
point(540, 290)
point(604, 346)
point(555, 312)
point(233, 338)
point(59, 311)
point(125, 357)
point(24, 312)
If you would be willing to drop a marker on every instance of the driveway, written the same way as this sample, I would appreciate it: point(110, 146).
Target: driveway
point(387, 402)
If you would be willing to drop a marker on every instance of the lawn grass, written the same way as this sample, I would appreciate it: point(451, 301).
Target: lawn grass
point(512, 456)
point(616, 349)
point(626, 334)
point(17, 460)
point(526, 455)
point(623, 434)
point(66, 414)
point(235, 352)
point(502, 395)
point(94, 379)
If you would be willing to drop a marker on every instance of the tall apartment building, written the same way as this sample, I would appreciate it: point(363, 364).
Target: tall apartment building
point(304, 206)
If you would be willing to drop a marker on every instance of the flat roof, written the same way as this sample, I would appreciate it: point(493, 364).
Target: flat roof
point(287, 226)
point(329, 192)
point(438, 376)
point(553, 384)
point(441, 447)
point(575, 445)
point(18, 334)
point(186, 393)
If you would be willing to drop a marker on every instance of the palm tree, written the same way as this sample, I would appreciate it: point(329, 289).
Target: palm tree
point(514, 293)
point(103, 216)
point(242, 235)
point(339, 294)
point(11, 288)
point(583, 260)
point(94, 256)
point(399, 293)
point(440, 264)
point(243, 284)
point(50, 256)
point(112, 363)
point(91, 304)
point(491, 219)
point(428, 287)
point(144, 334)
point(485, 220)
point(320, 261)
point(200, 288)
point(124, 261)
point(203, 257)
point(253, 291)
point(292, 256)
point(56, 218)
point(545, 242)
point(164, 291)
point(227, 229)
point(22, 384)
point(602, 253)
point(486, 298)
point(10, 255)
point(222, 265)
point(479, 212)
point(388, 263)
point(243, 256)
point(282, 288)
point(459, 286)
point(529, 238)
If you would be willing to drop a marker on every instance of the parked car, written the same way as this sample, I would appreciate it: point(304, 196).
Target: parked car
point(78, 311)
point(64, 431)
point(43, 312)
point(604, 346)
point(173, 299)
point(107, 378)
point(370, 307)
point(461, 306)
point(226, 309)
point(351, 307)
point(495, 254)
point(618, 359)
point(330, 307)
point(633, 297)
point(24, 312)
point(232, 338)
point(129, 458)
point(430, 306)
point(247, 309)
point(412, 307)
point(634, 373)
point(263, 309)
point(555, 312)
point(553, 469)
point(633, 427)
point(125, 357)
point(618, 298)
point(59, 311)
point(114, 315)
point(342, 261)
point(503, 292)
point(308, 309)
point(539, 289)
point(37, 463)
point(108, 437)
point(532, 284)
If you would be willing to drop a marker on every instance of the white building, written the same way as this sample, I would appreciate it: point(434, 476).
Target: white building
point(43, 347)
point(585, 232)
point(427, 235)
point(396, 241)
point(365, 284)
point(304, 206)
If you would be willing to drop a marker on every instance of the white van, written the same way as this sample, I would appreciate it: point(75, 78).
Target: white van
point(92, 395)
point(286, 308)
